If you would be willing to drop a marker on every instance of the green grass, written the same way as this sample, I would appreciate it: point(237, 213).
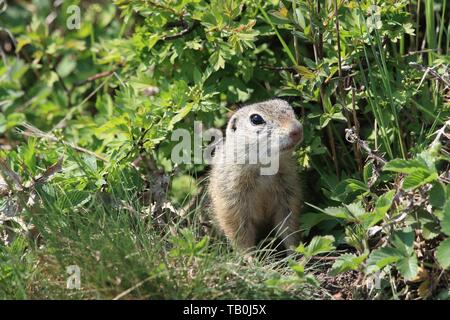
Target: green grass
point(123, 255)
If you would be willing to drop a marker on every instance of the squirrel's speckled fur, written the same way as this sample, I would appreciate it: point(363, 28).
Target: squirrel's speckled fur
point(246, 204)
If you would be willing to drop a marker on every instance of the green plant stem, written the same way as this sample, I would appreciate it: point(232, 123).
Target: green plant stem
point(283, 43)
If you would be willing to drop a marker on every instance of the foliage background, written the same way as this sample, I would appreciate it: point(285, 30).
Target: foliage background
point(87, 114)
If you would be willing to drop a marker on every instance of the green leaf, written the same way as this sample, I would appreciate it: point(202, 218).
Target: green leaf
point(347, 262)
point(29, 155)
point(384, 203)
point(2, 123)
point(66, 66)
point(311, 280)
point(404, 242)
point(180, 115)
point(90, 163)
point(298, 269)
point(443, 253)
point(405, 166)
point(382, 257)
point(201, 245)
point(280, 16)
point(445, 223)
point(338, 212)
point(437, 195)
point(77, 198)
point(318, 245)
point(382, 206)
point(428, 223)
point(217, 61)
point(310, 219)
point(355, 209)
point(305, 72)
point(420, 171)
point(348, 189)
point(427, 158)
point(408, 266)
point(418, 178)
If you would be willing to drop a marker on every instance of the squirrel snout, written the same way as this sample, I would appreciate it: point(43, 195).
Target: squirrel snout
point(296, 132)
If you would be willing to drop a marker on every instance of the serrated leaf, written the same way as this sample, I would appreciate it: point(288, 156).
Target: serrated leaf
point(404, 242)
point(408, 266)
point(437, 195)
point(428, 159)
point(445, 223)
point(348, 189)
point(217, 60)
point(318, 245)
point(382, 206)
point(355, 209)
point(418, 178)
point(310, 279)
point(338, 212)
point(310, 219)
point(347, 262)
point(443, 253)
point(405, 166)
point(430, 227)
point(382, 257)
point(384, 203)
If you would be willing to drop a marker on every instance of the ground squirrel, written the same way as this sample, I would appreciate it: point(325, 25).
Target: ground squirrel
point(247, 203)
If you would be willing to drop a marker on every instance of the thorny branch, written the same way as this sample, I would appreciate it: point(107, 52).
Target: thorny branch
point(410, 199)
point(352, 137)
point(428, 70)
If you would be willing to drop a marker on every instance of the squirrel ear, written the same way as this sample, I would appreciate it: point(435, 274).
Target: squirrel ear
point(232, 124)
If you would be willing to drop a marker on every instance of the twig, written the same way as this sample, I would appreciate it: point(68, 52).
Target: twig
point(187, 28)
point(290, 69)
point(97, 76)
point(35, 132)
point(137, 285)
point(431, 71)
point(440, 133)
point(4, 167)
point(411, 53)
point(352, 137)
point(51, 171)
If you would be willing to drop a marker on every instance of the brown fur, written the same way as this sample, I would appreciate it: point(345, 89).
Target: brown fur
point(246, 203)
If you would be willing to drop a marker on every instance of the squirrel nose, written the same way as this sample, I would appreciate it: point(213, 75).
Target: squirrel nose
point(296, 133)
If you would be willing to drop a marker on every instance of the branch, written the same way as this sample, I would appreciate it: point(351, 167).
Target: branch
point(352, 137)
point(35, 132)
point(187, 28)
point(427, 70)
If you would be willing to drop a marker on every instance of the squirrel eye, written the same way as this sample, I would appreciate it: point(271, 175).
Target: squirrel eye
point(256, 119)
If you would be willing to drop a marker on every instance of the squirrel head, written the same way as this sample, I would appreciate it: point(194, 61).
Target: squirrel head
point(272, 120)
